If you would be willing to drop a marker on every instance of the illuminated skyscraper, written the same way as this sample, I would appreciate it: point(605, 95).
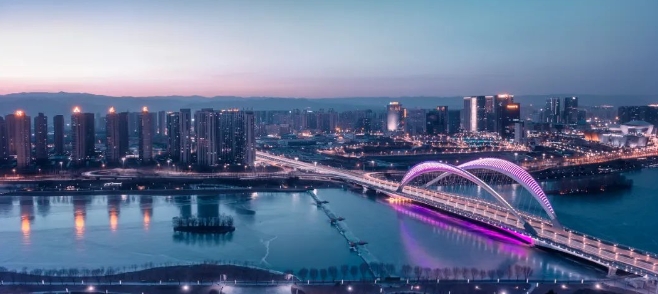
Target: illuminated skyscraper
point(82, 135)
point(552, 112)
point(3, 139)
point(205, 128)
point(395, 117)
point(58, 127)
point(570, 112)
point(145, 135)
point(173, 136)
point(116, 143)
point(437, 121)
point(41, 137)
point(236, 137)
point(511, 116)
point(475, 113)
point(22, 136)
point(185, 130)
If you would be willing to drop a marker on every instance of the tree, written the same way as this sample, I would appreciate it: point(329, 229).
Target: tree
point(406, 270)
point(510, 272)
point(313, 273)
point(418, 272)
point(500, 273)
point(323, 274)
point(303, 273)
point(354, 271)
point(456, 272)
point(465, 271)
point(517, 271)
point(344, 269)
point(527, 272)
point(436, 273)
point(363, 268)
point(391, 269)
point(333, 272)
point(483, 274)
point(447, 273)
point(491, 274)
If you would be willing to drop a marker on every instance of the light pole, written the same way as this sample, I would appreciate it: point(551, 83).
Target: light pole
point(14, 170)
point(123, 162)
point(61, 164)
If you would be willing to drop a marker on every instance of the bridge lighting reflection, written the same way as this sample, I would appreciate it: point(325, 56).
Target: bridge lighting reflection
point(79, 224)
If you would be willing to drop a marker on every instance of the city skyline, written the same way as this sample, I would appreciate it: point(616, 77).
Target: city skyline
point(337, 49)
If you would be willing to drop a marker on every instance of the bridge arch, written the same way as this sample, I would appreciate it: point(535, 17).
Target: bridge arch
point(434, 166)
point(516, 173)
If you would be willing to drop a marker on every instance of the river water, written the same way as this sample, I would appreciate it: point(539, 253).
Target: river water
point(285, 231)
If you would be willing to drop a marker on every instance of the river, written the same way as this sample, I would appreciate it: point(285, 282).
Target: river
point(285, 231)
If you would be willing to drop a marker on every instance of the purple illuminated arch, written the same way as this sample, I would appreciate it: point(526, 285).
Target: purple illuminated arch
point(434, 166)
point(517, 173)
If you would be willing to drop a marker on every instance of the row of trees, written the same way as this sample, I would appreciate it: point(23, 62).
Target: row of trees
point(363, 271)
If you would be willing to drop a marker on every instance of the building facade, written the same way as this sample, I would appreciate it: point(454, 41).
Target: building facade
point(146, 129)
point(41, 137)
point(58, 134)
point(82, 136)
point(116, 143)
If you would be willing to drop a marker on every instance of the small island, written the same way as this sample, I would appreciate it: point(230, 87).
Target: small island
point(214, 225)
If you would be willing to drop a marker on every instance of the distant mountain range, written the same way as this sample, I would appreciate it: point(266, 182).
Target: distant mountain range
point(62, 103)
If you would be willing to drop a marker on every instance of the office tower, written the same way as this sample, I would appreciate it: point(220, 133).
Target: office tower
point(236, 138)
point(475, 113)
point(205, 127)
point(22, 138)
point(116, 143)
point(41, 137)
point(454, 121)
point(499, 111)
point(332, 120)
point(185, 131)
point(58, 127)
point(395, 117)
point(437, 121)
point(510, 117)
point(162, 123)
point(100, 122)
point(3, 139)
point(82, 135)
point(570, 112)
point(173, 136)
point(416, 121)
point(145, 135)
point(299, 120)
point(552, 112)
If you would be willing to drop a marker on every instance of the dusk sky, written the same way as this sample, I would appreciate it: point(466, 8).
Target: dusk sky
point(329, 48)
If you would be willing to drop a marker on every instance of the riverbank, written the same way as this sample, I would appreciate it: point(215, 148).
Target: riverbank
point(154, 192)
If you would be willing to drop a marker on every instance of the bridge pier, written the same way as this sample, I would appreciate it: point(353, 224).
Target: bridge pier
point(612, 271)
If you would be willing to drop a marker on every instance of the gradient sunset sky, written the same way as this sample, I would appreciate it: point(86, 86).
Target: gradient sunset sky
point(329, 48)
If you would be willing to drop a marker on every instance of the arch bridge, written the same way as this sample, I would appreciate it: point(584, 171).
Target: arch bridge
point(542, 230)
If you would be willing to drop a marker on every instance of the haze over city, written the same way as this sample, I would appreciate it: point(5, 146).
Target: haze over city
point(328, 49)
point(313, 147)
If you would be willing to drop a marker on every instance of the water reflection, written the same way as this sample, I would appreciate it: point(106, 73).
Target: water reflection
point(80, 214)
point(207, 206)
point(43, 205)
point(146, 207)
point(202, 239)
point(184, 205)
point(113, 209)
point(6, 205)
point(27, 217)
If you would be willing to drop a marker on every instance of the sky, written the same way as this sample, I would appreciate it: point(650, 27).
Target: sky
point(337, 48)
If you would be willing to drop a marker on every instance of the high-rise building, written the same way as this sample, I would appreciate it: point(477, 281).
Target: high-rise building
point(205, 127)
point(82, 135)
point(116, 126)
point(552, 112)
point(41, 137)
point(4, 153)
point(185, 131)
point(22, 139)
point(648, 113)
point(395, 117)
point(162, 123)
point(10, 121)
point(173, 136)
point(475, 115)
point(133, 124)
point(570, 112)
point(500, 121)
point(510, 117)
point(236, 137)
point(58, 127)
point(416, 121)
point(145, 135)
point(454, 121)
point(437, 121)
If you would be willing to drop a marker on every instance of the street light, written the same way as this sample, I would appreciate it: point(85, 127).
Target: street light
point(123, 161)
